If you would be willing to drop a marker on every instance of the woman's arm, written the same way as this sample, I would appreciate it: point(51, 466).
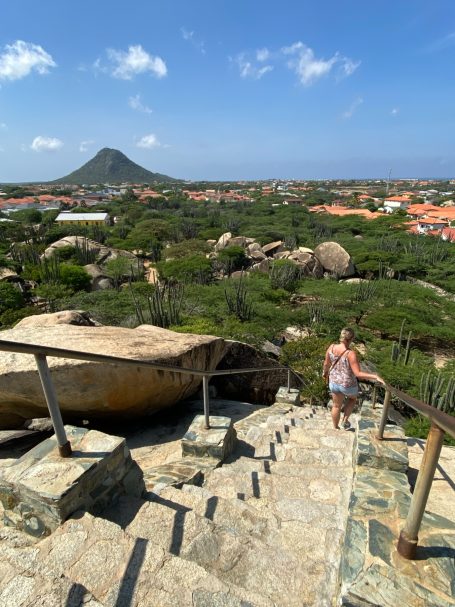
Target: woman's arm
point(354, 363)
point(326, 365)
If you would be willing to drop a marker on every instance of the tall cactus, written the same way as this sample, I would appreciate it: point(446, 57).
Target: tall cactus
point(400, 355)
point(438, 391)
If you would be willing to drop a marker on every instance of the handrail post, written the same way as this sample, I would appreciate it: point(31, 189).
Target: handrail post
point(64, 446)
point(374, 396)
point(205, 391)
point(407, 543)
point(385, 410)
point(289, 380)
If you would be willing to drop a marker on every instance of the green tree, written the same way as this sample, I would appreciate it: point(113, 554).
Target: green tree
point(10, 297)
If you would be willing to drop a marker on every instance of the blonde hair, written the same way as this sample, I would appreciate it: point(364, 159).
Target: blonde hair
point(346, 334)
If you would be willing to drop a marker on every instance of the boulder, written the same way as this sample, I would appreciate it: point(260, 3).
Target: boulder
point(282, 254)
point(7, 275)
point(257, 255)
point(88, 390)
point(263, 266)
point(101, 252)
point(305, 250)
point(254, 246)
point(294, 333)
point(65, 317)
point(308, 264)
point(100, 281)
point(335, 259)
point(272, 247)
point(260, 387)
point(239, 241)
point(223, 241)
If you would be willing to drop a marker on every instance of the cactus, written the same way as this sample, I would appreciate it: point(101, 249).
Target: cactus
point(438, 391)
point(365, 291)
point(163, 307)
point(237, 301)
point(84, 254)
point(400, 354)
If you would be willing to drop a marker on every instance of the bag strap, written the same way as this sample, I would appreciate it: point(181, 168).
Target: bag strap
point(335, 362)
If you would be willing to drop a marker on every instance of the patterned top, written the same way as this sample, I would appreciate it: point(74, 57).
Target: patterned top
point(341, 372)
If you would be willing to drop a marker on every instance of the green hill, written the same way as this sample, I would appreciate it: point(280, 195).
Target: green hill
point(111, 166)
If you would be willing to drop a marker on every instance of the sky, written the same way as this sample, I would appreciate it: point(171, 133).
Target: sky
point(229, 90)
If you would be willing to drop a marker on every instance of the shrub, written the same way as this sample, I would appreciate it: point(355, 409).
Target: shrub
point(74, 277)
point(307, 356)
point(196, 268)
point(232, 258)
point(10, 297)
point(284, 275)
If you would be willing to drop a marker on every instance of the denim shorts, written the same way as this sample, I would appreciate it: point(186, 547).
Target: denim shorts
point(350, 391)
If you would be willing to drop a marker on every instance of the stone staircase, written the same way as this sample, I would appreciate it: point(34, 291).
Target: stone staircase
point(265, 529)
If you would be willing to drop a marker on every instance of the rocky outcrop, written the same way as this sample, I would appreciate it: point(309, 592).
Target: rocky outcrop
point(308, 264)
point(88, 390)
point(101, 253)
point(334, 259)
point(99, 279)
point(260, 387)
point(65, 317)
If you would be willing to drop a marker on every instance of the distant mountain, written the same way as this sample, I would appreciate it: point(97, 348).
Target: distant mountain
point(111, 166)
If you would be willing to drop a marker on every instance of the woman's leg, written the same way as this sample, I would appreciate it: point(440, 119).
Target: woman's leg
point(348, 408)
point(337, 400)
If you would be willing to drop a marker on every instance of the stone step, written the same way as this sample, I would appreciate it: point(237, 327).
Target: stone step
point(232, 514)
point(119, 568)
point(190, 470)
point(229, 551)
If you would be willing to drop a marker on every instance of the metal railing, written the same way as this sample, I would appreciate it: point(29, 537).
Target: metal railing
point(440, 424)
point(42, 352)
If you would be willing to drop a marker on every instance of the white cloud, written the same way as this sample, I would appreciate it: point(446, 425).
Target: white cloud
point(135, 103)
point(190, 37)
point(249, 70)
point(395, 111)
point(441, 43)
point(309, 68)
point(352, 108)
point(262, 54)
point(46, 144)
point(148, 142)
point(3, 125)
point(135, 61)
point(84, 145)
point(21, 58)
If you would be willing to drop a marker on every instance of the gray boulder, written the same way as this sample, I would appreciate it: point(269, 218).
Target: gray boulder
point(335, 259)
point(89, 390)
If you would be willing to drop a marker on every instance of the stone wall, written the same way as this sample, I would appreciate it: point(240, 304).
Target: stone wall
point(41, 489)
point(372, 572)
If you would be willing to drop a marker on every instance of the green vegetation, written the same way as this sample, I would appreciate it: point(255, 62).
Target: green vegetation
point(399, 324)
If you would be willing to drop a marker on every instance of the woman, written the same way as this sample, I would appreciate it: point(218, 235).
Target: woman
point(342, 370)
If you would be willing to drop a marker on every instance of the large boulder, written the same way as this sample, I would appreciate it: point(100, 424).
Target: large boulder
point(335, 259)
point(100, 252)
point(223, 241)
point(88, 390)
point(100, 280)
point(65, 317)
point(272, 247)
point(308, 264)
point(256, 387)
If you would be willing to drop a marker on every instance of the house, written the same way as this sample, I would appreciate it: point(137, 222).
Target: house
point(428, 224)
point(448, 234)
point(87, 219)
point(396, 203)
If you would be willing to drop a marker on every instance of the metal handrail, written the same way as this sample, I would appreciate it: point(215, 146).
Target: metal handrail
point(440, 424)
point(41, 352)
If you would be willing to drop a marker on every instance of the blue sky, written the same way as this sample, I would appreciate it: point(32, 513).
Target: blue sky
point(238, 89)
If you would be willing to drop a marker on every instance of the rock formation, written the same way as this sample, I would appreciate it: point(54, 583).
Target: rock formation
point(99, 390)
point(335, 259)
